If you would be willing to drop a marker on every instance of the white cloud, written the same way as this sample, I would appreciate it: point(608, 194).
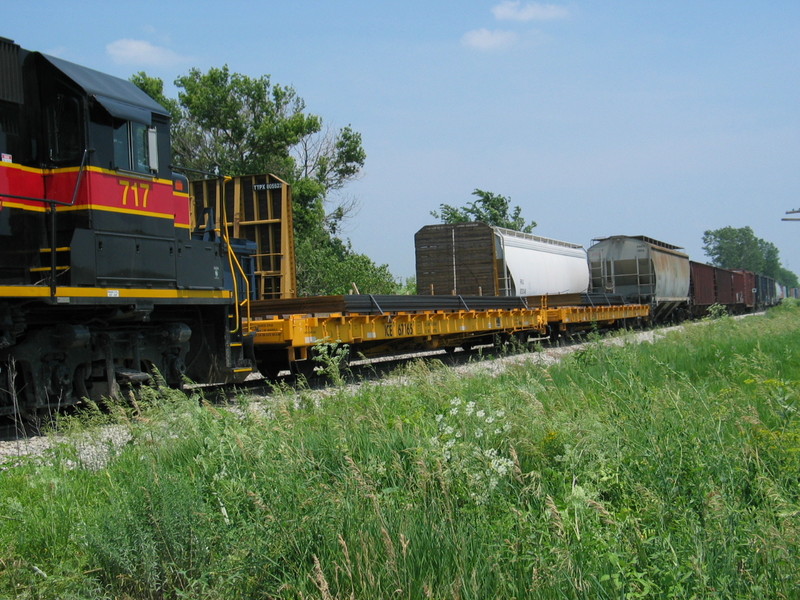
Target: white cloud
point(483, 39)
point(509, 10)
point(142, 53)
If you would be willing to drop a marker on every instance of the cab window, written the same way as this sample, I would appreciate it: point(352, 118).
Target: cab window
point(132, 147)
point(64, 129)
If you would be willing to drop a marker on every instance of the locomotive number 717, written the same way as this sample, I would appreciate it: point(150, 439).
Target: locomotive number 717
point(136, 187)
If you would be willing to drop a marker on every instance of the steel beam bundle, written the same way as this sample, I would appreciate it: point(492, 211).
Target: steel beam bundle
point(369, 304)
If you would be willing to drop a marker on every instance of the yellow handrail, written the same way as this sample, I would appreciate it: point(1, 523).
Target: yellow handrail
point(233, 261)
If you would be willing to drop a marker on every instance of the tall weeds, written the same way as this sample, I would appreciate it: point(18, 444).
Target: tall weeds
point(664, 470)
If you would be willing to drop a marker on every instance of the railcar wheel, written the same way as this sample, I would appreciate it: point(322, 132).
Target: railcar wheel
point(271, 363)
point(306, 369)
point(81, 381)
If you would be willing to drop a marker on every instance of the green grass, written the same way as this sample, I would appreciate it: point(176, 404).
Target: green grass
point(665, 470)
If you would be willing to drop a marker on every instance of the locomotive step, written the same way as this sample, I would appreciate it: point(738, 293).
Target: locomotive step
point(42, 269)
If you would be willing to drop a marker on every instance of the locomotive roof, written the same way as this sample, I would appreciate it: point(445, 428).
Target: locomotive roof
point(121, 98)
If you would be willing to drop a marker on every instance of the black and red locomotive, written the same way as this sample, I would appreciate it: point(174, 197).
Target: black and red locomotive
point(101, 279)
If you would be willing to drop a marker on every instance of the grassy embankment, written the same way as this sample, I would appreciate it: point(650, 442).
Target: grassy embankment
point(668, 470)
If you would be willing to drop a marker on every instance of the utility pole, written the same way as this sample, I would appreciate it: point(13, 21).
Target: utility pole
point(792, 212)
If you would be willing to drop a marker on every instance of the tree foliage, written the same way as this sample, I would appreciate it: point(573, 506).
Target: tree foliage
point(328, 265)
point(492, 209)
point(233, 124)
point(239, 124)
point(739, 248)
point(154, 87)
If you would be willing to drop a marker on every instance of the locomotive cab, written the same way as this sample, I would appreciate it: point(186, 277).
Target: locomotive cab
point(87, 194)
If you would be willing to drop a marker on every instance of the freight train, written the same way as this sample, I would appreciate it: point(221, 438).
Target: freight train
point(116, 272)
point(469, 258)
point(642, 269)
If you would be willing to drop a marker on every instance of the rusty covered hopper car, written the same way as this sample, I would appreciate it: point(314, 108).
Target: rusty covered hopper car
point(642, 270)
point(479, 259)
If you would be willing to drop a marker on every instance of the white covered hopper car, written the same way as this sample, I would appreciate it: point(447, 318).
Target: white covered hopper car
point(479, 259)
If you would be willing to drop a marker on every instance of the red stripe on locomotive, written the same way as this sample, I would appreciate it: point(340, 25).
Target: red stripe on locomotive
point(98, 190)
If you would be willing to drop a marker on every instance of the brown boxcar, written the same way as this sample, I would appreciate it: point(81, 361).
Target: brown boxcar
point(748, 289)
point(701, 288)
point(702, 284)
point(723, 279)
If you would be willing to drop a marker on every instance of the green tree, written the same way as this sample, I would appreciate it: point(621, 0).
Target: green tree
point(328, 265)
point(325, 163)
point(154, 87)
point(734, 248)
point(740, 248)
point(238, 124)
point(233, 124)
point(772, 262)
point(492, 209)
point(787, 278)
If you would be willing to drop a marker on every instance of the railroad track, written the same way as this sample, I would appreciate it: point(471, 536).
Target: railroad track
point(19, 439)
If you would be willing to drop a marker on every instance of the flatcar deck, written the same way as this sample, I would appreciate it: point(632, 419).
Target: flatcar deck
point(284, 332)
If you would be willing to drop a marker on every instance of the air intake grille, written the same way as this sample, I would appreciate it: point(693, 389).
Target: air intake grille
point(10, 72)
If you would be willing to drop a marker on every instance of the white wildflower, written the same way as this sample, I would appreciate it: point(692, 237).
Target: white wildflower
point(480, 414)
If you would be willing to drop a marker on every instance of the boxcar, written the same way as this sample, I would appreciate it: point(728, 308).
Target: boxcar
point(724, 281)
point(702, 288)
point(766, 295)
point(748, 289)
point(714, 285)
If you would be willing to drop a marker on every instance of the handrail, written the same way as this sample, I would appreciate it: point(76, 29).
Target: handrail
point(233, 261)
point(53, 204)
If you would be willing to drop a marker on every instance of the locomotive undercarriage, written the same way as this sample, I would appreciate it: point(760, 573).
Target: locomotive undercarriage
point(47, 362)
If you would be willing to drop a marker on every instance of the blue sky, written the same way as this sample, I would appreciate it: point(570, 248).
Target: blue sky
point(597, 118)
